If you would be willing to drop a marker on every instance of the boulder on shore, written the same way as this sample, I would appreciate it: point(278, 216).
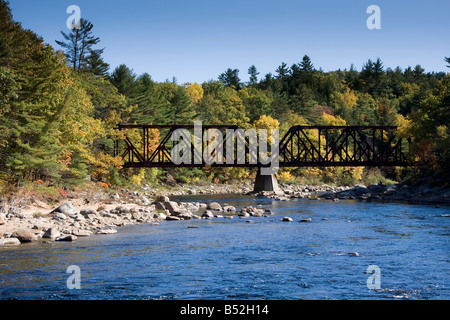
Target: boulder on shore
point(51, 233)
point(172, 206)
point(24, 236)
point(162, 198)
point(9, 242)
point(107, 230)
point(66, 208)
point(66, 238)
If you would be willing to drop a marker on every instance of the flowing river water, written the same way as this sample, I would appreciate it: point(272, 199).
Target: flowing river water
point(250, 258)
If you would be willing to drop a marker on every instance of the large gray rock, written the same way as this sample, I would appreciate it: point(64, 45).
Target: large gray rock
point(172, 218)
point(229, 208)
point(162, 198)
point(172, 206)
point(60, 216)
point(24, 236)
point(85, 213)
point(66, 208)
point(159, 216)
point(208, 215)
point(185, 215)
point(9, 242)
point(66, 238)
point(107, 230)
point(214, 206)
point(82, 233)
point(145, 201)
point(51, 233)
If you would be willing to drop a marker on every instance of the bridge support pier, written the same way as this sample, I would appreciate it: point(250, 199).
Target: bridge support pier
point(266, 183)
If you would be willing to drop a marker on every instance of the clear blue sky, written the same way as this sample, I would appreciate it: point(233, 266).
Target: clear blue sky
point(196, 40)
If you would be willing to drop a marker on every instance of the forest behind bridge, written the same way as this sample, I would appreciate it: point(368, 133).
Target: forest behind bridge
point(60, 104)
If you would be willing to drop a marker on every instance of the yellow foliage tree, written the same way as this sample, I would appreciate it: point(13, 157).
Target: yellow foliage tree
point(404, 126)
point(266, 122)
point(348, 98)
point(194, 91)
point(332, 120)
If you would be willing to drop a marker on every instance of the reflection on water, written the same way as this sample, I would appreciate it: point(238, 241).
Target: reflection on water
point(233, 259)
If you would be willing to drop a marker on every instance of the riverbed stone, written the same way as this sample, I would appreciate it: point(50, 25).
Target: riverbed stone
point(78, 217)
point(185, 215)
point(244, 214)
point(162, 198)
point(173, 218)
point(160, 206)
point(172, 206)
point(159, 216)
point(214, 206)
point(66, 208)
point(51, 233)
point(9, 242)
point(146, 201)
point(85, 213)
point(229, 208)
point(208, 215)
point(287, 219)
point(306, 220)
point(82, 233)
point(66, 238)
point(3, 220)
point(60, 216)
point(107, 230)
point(24, 236)
point(122, 210)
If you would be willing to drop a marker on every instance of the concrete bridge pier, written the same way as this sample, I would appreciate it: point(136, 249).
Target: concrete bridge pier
point(266, 183)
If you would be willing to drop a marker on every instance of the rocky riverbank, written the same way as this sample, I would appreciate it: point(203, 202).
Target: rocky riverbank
point(423, 194)
point(32, 220)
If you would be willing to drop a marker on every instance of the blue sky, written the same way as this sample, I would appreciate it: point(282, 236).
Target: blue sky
point(197, 40)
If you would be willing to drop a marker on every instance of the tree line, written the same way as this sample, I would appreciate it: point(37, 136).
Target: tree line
point(59, 108)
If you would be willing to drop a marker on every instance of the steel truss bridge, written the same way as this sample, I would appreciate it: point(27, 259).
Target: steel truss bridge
point(302, 146)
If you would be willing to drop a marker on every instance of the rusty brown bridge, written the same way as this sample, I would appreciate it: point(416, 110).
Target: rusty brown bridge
point(146, 146)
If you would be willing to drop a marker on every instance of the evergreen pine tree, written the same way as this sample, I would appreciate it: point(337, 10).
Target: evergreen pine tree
point(78, 43)
point(123, 79)
point(253, 72)
point(230, 78)
point(306, 65)
point(96, 64)
point(282, 71)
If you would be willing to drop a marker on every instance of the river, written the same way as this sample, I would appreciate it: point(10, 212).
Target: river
point(250, 258)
